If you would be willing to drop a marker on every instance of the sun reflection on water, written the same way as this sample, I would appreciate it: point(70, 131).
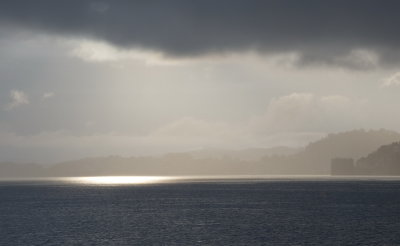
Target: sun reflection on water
point(120, 180)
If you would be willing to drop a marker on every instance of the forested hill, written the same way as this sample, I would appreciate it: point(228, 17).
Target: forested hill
point(384, 161)
point(316, 157)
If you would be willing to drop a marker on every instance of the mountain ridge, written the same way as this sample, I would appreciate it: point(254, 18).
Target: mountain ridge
point(313, 159)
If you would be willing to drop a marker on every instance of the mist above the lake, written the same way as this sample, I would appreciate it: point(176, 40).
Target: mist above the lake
point(99, 78)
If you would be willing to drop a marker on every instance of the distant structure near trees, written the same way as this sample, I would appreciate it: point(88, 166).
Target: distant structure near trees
point(342, 166)
point(384, 161)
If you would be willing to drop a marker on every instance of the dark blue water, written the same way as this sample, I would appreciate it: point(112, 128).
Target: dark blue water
point(202, 213)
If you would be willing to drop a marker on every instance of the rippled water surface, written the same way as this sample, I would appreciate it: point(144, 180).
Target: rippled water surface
point(160, 211)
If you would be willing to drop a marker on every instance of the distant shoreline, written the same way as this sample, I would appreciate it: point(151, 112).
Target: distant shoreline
point(200, 178)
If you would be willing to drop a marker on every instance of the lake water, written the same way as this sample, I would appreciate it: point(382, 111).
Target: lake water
point(200, 211)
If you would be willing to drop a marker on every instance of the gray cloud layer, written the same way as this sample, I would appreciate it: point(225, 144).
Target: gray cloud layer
point(321, 31)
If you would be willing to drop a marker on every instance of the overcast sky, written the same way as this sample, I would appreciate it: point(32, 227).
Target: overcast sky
point(95, 78)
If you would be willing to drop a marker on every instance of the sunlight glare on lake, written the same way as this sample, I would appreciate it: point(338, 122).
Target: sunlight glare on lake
point(121, 180)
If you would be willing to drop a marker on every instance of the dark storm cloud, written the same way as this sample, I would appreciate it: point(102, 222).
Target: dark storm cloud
point(320, 30)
